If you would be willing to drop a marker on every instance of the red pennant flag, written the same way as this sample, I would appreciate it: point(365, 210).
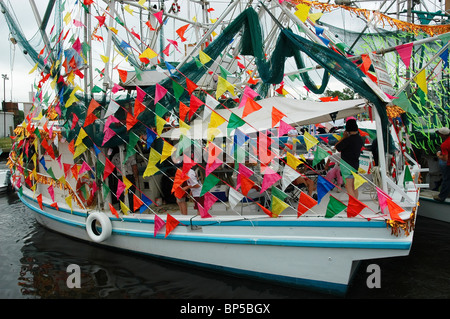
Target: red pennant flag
point(39, 199)
point(246, 184)
point(137, 203)
point(250, 107)
point(354, 206)
point(138, 108)
point(187, 164)
point(252, 81)
point(109, 167)
point(265, 210)
point(74, 121)
point(190, 86)
point(305, 203)
point(149, 25)
point(171, 223)
point(74, 170)
point(54, 205)
point(113, 210)
point(184, 109)
point(123, 75)
point(89, 119)
point(194, 104)
point(131, 121)
point(180, 31)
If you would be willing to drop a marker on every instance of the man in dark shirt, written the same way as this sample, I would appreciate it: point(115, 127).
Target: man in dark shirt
point(350, 147)
point(443, 155)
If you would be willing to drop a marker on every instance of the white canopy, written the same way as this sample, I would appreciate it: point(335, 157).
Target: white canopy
point(298, 112)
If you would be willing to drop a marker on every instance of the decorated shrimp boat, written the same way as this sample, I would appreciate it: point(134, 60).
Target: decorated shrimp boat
point(105, 151)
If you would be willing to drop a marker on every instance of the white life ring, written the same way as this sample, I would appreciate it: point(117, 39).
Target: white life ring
point(98, 234)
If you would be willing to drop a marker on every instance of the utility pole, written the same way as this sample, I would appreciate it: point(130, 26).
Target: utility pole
point(5, 77)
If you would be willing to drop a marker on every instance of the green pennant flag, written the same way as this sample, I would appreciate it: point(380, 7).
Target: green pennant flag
point(346, 169)
point(138, 73)
point(50, 172)
point(334, 207)
point(160, 110)
point(183, 143)
point(96, 89)
point(177, 90)
point(408, 177)
point(132, 141)
point(100, 167)
point(278, 194)
point(234, 122)
point(224, 72)
point(319, 155)
point(209, 182)
point(106, 190)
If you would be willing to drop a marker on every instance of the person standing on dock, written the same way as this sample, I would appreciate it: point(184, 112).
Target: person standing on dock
point(444, 133)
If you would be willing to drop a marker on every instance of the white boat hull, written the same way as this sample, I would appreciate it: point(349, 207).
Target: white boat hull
point(308, 252)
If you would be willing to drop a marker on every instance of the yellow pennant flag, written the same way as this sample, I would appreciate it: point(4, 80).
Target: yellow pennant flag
point(148, 53)
point(69, 202)
point(67, 18)
point(33, 69)
point(113, 30)
point(211, 133)
point(80, 149)
point(310, 140)
point(359, 180)
point(278, 206)
point(315, 16)
point(223, 86)
point(215, 121)
point(128, 9)
point(204, 58)
point(124, 208)
point(160, 122)
point(141, 2)
point(104, 58)
point(292, 161)
point(184, 128)
point(421, 80)
point(72, 99)
point(302, 11)
point(167, 151)
point(81, 135)
point(127, 183)
point(153, 159)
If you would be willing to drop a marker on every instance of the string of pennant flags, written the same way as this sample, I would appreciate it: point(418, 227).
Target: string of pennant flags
point(248, 102)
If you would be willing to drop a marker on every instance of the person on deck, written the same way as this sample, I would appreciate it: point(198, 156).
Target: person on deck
point(195, 187)
point(350, 147)
point(443, 155)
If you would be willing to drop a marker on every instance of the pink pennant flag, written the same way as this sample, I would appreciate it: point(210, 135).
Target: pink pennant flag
point(209, 200)
point(158, 16)
point(284, 128)
point(270, 178)
point(84, 168)
point(77, 45)
point(174, 43)
point(120, 188)
point(109, 120)
point(210, 167)
point(108, 135)
point(404, 51)
point(78, 23)
point(160, 91)
point(140, 94)
point(51, 191)
point(116, 88)
point(382, 198)
point(248, 93)
point(159, 223)
point(59, 161)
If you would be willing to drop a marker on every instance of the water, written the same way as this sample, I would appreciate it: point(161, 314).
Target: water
point(34, 260)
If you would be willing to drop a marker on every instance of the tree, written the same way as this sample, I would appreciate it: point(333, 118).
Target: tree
point(346, 94)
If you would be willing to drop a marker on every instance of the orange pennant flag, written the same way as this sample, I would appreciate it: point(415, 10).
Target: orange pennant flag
point(190, 86)
point(137, 203)
point(184, 109)
point(113, 210)
point(39, 199)
point(250, 107)
point(277, 115)
point(180, 31)
point(265, 210)
point(171, 223)
point(246, 184)
point(394, 210)
point(138, 108)
point(123, 75)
